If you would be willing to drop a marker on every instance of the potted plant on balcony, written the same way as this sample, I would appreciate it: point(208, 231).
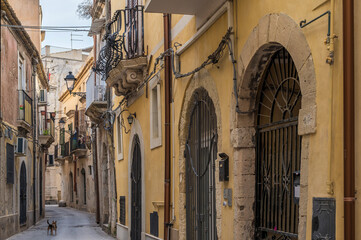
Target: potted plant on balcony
point(46, 132)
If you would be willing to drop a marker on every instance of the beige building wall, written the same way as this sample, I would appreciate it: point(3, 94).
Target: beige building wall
point(58, 62)
point(75, 191)
point(30, 14)
point(52, 184)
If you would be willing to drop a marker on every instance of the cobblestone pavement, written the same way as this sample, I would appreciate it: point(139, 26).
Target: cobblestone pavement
point(72, 225)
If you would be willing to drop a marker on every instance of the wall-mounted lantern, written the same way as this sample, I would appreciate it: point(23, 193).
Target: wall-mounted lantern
point(70, 81)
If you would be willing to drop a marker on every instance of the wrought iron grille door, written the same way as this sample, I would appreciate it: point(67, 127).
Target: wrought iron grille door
point(23, 194)
point(278, 149)
point(200, 153)
point(136, 201)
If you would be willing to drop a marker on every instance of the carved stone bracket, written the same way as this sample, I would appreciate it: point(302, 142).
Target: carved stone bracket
point(127, 75)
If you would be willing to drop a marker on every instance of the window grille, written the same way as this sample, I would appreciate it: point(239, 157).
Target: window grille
point(122, 210)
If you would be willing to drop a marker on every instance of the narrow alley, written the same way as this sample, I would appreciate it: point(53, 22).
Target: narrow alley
point(71, 223)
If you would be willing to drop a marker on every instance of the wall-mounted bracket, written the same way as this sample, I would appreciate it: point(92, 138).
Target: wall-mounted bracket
point(329, 39)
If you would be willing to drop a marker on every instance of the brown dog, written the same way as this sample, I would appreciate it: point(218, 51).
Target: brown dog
point(52, 227)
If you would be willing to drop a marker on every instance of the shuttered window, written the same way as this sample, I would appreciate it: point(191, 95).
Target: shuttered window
point(154, 221)
point(10, 163)
point(122, 210)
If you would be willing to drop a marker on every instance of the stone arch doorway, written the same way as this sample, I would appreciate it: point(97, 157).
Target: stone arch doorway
point(273, 32)
point(136, 191)
point(23, 193)
point(200, 81)
point(201, 153)
point(278, 148)
point(137, 147)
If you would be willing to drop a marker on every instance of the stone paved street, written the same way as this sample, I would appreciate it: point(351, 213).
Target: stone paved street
point(72, 224)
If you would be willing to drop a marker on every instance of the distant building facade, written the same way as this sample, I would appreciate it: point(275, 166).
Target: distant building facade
point(58, 62)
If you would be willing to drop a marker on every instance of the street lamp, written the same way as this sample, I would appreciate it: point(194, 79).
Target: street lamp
point(61, 123)
point(70, 81)
point(131, 118)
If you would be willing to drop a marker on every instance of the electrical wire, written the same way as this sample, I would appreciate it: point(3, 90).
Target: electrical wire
point(49, 28)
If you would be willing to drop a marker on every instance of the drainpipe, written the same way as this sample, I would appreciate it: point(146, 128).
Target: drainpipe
point(167, 140)
point(349, 119)
point(35, 140)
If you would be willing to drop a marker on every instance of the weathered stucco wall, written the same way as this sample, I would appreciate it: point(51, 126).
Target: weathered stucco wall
point(29, 14)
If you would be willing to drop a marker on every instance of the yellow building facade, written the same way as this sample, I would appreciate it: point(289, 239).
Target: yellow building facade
point(265, 98)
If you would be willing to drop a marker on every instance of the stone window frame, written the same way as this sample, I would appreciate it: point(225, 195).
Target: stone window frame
point(120, 154)
point(155, 85)
point(272, 32)
point(22, 83)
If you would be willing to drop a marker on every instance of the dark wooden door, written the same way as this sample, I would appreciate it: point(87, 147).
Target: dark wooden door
point(136, 194)
point(23, 195)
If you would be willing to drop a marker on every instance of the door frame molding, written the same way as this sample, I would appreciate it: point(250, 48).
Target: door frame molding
point(136, 130)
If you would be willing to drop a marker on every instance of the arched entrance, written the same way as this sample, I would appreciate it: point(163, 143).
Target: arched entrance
point(23, 194)
point(278, 149)
point(255, 58)
point(84, 185)
point(201, 152)
point(136, 191)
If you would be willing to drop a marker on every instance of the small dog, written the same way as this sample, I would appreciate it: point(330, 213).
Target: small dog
point(52, 227)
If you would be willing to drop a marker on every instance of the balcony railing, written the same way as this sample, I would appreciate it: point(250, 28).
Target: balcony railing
point(47, 126)
point(25, 107)
point(94, 93)
point(76, 142)
point(124, 39)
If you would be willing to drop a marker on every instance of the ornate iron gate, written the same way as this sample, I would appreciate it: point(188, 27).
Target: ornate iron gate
point(200, 153)
point(23, 194)
point(136, 185)
point(278, 150)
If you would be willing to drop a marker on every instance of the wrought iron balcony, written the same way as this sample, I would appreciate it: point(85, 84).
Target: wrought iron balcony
point(47, 130)
point(66, 149)
point(122, 62)
point(77, 146)
point(25, 110)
